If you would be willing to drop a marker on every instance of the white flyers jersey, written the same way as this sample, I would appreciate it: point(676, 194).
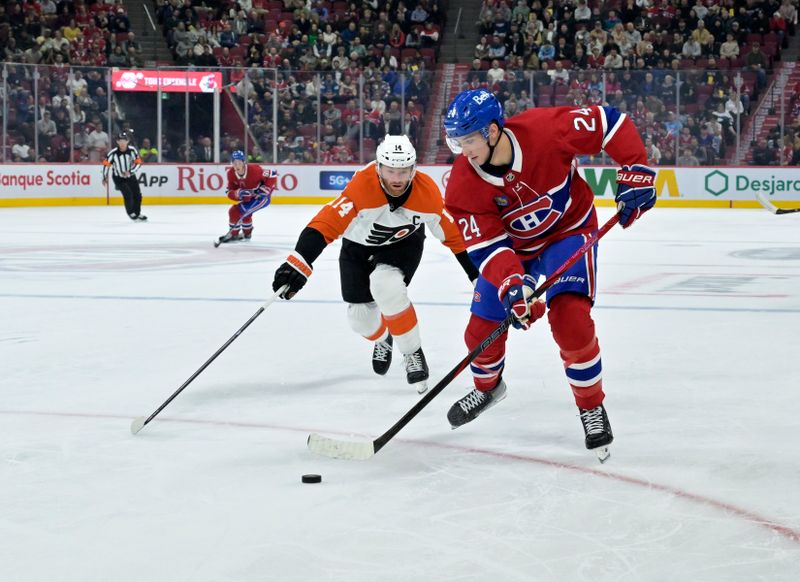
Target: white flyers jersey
point(362, 213)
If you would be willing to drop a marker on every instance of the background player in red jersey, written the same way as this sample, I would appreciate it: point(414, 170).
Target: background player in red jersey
point(251, 187)
point(516, 195)
point(381, 216)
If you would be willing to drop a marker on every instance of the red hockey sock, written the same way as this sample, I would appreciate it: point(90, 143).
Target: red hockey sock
point(234, 216)
point(573, 329)
point(488, 366)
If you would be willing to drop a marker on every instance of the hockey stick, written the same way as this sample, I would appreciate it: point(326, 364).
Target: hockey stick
point(140, 422)
point(766, 203)
point(360, 451)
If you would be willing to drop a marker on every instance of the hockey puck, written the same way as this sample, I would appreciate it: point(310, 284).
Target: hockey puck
point(311, 478)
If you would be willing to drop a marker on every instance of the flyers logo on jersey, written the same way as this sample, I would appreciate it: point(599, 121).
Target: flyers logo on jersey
point(533, 219)
point(379, 234)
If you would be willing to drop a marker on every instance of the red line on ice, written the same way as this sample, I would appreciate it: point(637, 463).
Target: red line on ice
point(746, 515)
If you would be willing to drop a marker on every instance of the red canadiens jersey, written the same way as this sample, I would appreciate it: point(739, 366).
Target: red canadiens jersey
point(541, 198)
point(254, 177)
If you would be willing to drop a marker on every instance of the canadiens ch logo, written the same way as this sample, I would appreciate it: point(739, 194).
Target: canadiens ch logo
point(501, 200)
point(533, 219)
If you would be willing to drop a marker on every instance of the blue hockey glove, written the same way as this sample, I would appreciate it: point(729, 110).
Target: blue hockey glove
point(246, 195)
point(516, 293)
point(636, 192)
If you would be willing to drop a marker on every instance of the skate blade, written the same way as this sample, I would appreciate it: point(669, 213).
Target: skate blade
point(603, 454)
point(422, 387)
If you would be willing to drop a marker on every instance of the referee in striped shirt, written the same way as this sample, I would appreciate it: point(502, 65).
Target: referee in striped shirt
point(123, 162)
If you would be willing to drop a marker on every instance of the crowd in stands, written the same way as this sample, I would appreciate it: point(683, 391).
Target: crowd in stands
point(342, 71)
point(55, 39)
point(368, 61)
point(671, 64)
point(310, 46)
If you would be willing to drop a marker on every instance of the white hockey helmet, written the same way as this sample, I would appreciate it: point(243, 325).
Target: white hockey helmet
point(396, 151)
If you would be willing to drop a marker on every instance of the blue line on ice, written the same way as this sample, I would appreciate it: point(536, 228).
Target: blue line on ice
point(427, 303)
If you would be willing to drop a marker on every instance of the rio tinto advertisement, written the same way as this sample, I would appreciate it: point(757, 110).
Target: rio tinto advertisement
point(170, 81)
point(24, 184)
point(171, 183)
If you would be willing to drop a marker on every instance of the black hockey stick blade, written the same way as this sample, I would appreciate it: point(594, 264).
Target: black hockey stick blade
point(360, 451)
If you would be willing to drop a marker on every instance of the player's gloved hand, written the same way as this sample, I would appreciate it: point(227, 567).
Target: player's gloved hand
point(636, 192)
point(294, 273)
point(516, 293)
point(246, 195)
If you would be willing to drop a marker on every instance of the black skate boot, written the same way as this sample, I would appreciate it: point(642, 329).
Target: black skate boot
point(226, 238)
point(382, 355)
point(597, 430)
point(248, 235)
point(473, 404)
point(142, 217)
point(417, 370)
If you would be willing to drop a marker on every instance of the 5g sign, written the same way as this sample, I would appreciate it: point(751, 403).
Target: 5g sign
point(334, 180)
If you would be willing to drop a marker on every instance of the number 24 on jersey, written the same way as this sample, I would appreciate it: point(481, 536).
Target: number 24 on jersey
point(469, 228)
point(588, 124)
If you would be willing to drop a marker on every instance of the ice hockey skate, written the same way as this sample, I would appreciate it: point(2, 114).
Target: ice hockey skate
point(226, 238)
point(417, 370)
point(598, 431)
point(382, 355)
point(142, 218)
point(473, 404)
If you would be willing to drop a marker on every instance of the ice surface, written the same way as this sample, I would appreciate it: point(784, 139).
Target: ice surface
point(102, 319)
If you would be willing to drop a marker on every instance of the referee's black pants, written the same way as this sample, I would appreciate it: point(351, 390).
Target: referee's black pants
point(131, 194)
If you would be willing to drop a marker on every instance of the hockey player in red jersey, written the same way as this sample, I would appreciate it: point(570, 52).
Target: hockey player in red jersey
point(381, 216)
point(516, 196)
point(251, 187)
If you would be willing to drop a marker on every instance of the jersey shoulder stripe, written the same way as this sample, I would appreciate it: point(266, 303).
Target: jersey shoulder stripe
point(426, 197)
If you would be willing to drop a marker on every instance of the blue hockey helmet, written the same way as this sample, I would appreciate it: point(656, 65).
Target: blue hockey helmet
point(472, 110)
point(238, 155)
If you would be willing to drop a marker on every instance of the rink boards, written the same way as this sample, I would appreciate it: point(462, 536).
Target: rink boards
point(81, 184)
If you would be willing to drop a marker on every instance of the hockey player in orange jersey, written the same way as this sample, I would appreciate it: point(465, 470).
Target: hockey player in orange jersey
point(380, 215)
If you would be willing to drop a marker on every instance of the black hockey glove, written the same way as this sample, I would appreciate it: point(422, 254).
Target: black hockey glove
point(294, 273)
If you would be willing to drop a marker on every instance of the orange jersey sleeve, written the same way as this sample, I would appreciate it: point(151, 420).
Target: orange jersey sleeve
point(363, 191)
